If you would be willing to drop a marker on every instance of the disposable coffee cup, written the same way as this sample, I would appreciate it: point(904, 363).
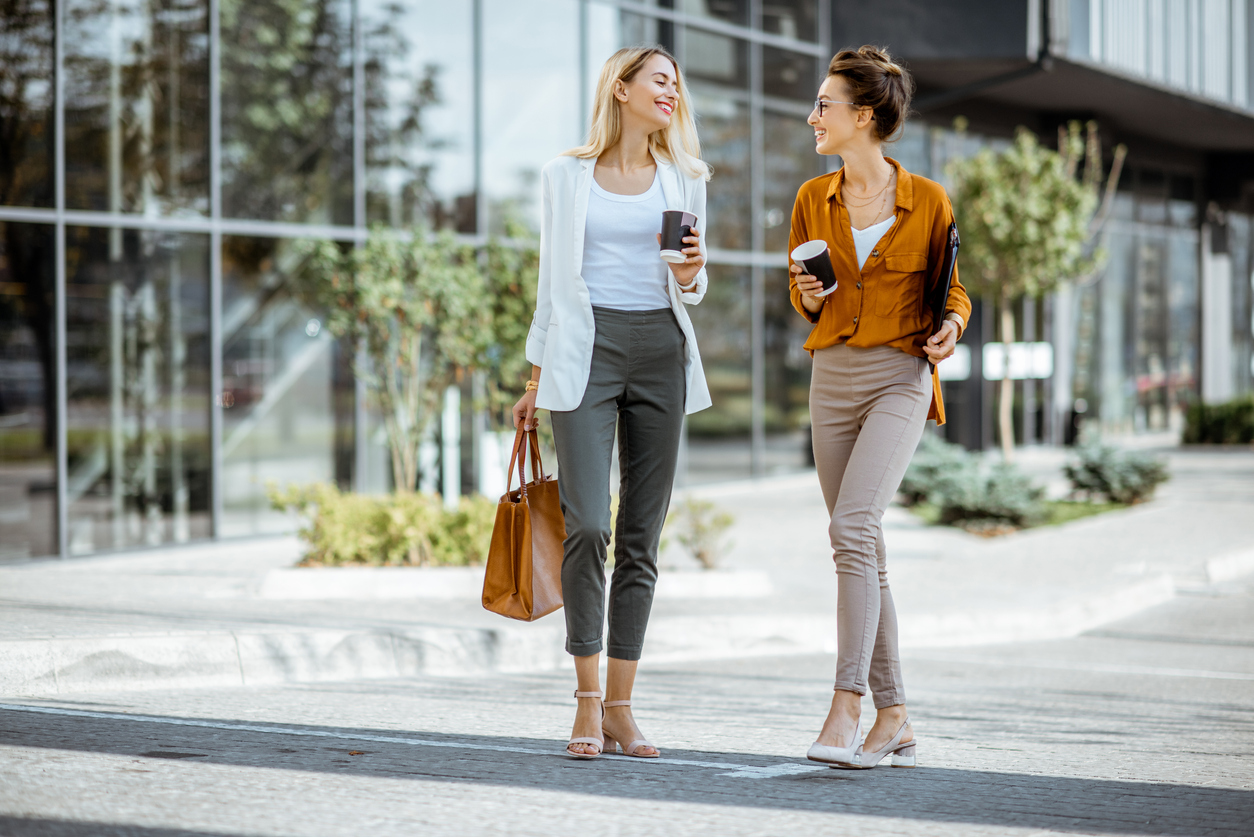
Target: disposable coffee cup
point(816, 261)
point(676, 226)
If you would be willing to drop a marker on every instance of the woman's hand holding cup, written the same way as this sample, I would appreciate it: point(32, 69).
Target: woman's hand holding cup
point(809, 286)
point(686, 271)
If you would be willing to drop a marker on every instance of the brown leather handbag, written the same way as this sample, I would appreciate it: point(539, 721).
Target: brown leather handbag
point(523, 579)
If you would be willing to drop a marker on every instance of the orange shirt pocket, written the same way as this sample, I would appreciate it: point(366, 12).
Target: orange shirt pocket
point(900, 290)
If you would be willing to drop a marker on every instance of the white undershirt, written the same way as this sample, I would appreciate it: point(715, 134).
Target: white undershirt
point(621, 264)
point(864, 241)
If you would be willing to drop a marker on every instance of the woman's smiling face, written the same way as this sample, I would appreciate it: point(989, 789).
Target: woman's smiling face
point(840, 123)
point(652, 95)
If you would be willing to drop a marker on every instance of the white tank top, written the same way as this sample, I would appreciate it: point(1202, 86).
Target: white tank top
point(621, 265)
point(864, 241)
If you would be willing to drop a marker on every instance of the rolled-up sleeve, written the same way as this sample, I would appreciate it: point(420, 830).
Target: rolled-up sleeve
point(539, 332)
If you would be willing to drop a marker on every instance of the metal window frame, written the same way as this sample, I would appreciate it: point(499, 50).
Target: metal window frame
point(62, 395)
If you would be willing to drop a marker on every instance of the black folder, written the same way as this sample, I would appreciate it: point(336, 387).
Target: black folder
point(947, 279)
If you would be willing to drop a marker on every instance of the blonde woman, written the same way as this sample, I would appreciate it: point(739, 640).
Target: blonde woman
point(611, 346)
point(870, 391)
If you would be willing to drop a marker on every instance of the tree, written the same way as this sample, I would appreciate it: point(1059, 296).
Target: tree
point(417, 308)
point(1029, 222)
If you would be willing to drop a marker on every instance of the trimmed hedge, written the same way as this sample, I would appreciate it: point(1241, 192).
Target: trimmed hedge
point(414, 530)
point(1220, 424)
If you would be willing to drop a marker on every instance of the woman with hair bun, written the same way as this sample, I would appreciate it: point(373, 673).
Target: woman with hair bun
point(871, 392)
point(612, 348)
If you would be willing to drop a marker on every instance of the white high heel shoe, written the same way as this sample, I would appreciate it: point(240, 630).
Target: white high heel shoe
point(903, 754)
point(843, 756)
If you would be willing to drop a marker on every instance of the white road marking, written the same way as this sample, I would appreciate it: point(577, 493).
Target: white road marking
point(745, 771)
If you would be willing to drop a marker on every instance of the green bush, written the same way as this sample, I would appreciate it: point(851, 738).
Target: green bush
point(935, 463)
point(403, 529)
point(1220, 424)
point(989, 500)
point(699, 527)
point(1103, 471)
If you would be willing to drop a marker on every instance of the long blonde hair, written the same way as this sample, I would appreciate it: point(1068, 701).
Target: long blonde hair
point(677, 142)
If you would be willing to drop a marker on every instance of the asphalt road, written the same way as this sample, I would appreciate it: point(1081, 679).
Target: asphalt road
point(1145, 727)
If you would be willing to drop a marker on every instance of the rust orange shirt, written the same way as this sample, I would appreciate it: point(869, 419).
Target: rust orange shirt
point(886, 302)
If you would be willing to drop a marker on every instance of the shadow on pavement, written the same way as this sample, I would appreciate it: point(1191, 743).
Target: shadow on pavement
point(37, 827)
point(941, 795)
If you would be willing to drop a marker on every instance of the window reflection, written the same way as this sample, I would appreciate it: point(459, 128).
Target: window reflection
point(28, 425)
point(718, 437)
point(138, 388)
point(419, 113)
point(531, 107)
point(714, 58)
point(287, 110)
point(729, 11)
point(137, 106)
point(26, 104)
point(790, 160)
point(789, 75)
point(791, 19)
point(278, 372)
point(787, 374)
point(723, 124)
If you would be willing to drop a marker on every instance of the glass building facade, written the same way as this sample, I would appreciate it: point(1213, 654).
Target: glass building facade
point(161, 158)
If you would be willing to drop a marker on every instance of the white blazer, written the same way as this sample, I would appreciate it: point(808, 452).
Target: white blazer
point(562, 331)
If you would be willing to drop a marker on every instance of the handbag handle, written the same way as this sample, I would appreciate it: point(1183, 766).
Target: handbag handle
point(518, 456)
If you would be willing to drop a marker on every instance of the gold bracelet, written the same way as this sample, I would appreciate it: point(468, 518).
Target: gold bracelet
point(532, 386)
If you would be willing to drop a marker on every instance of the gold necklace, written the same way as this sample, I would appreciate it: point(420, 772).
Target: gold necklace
point(848, 193)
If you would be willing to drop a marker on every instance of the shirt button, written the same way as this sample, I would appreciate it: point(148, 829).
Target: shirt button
point(875, 252)
point(855, 320)
point(859, 286)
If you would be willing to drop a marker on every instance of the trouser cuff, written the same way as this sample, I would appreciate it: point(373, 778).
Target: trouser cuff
point(623, 652)
point(883, 700)
point(583, 649)
point(849, 687)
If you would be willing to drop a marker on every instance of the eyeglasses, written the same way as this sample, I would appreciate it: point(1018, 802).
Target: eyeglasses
point(821, 105)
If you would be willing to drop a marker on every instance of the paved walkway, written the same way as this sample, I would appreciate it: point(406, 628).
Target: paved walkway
point(1143, 730)
point(195, 616)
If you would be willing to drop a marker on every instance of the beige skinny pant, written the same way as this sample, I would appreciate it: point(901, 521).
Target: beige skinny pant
point(867, 411)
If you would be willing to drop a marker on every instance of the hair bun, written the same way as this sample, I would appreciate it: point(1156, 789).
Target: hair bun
point(881, 58)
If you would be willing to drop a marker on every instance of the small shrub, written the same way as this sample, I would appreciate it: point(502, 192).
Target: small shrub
point(699, 527)
point(934, 464)
point(1220, 424)
point(388, 530)
point(989, 501)
point(1103, 471)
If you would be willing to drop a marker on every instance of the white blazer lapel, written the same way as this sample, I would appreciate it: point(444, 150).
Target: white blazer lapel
point(583, 189)
point(671, 189)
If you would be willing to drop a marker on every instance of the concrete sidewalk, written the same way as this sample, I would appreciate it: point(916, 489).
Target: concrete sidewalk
point(207, 615)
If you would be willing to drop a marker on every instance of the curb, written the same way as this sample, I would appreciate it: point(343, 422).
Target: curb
point(466, 584)
point(45, 667)
point(49, 667)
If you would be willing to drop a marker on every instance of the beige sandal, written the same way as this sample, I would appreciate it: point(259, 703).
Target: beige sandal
point(611, 745)
point(599, 743)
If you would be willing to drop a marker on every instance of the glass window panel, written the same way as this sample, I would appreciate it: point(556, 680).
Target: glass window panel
point(137, 351)
point(791, 18)
point(786, 378)
point(26, 104)
point(718, 437)
point(638, 29)
point(137, 106)
point(287, 110)
point(28, 429)
point(729, 11)
point(715, 58)
point(419, 113)
point(278, 376)
point(789, 75)
point(723, 124)
point(530, 101)
point(790, 161)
